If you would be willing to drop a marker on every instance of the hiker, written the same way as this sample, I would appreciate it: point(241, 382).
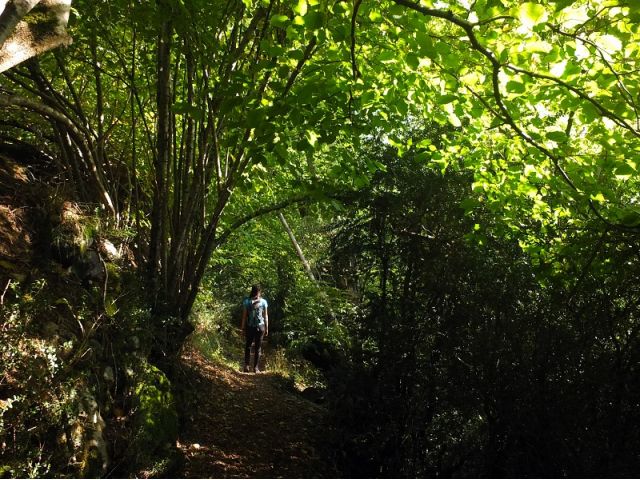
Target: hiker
point(255, 324)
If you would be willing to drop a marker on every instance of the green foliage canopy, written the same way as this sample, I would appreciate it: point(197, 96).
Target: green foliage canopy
point(543, 95)
point(541, 98)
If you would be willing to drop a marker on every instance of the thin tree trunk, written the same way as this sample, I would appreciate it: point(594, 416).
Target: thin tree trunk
point(296, 245)
point(157, 265)
point(307, 267)
point(100, 154)
point(135, 200)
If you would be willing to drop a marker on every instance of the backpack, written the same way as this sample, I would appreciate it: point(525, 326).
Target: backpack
point(255, 312)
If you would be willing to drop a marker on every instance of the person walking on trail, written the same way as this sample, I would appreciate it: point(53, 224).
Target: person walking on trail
point(255, 325)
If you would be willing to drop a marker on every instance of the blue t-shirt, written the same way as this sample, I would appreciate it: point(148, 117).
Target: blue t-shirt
point(255, 310)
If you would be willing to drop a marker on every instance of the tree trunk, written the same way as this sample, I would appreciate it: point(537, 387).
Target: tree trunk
point(157, 265)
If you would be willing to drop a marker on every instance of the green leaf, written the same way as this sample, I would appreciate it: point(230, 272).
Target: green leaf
point(590, 112)
point(300, 7)
point(281, 151)
point(631, 219)
point(367, 98)
point(561, 4)
point(469, 204)
point(306, 92)
point(425, 45)
point(312, 137)
point(313, 20)
point(557, 136)
point(425, 143)
point(279, 20)
point(387, 56)
point(444, 99)
point(530, 14)
point(375, 16)
point(423, 157)
point(341, 33)
point(515, 87)
point(273, 50)
point(255, 118)
point(625, 170)
point(412, 60)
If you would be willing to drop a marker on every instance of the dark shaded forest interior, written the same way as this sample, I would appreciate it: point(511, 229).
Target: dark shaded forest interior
point(438, 198)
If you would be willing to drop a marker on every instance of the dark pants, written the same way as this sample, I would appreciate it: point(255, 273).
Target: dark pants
point(253, 334)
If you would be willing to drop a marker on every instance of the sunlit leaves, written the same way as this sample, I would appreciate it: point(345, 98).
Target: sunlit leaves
point(300, 7)
point(375, 16)
point(530, 14)
point(567, 74)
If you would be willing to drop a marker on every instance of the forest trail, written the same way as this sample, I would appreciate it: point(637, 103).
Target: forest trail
point(241, 425)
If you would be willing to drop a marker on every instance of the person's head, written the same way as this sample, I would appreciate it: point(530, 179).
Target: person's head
point(255, 291)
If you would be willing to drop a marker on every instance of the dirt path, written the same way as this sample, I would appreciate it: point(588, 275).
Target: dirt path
point(239, 425)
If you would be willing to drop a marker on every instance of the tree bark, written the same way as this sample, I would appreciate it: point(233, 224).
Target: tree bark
point(13, 12)
point(20, 40)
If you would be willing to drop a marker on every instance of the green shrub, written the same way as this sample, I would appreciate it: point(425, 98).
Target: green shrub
point(155, 423)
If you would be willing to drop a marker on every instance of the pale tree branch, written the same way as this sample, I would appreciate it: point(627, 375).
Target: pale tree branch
point(13, 12)
point(296, 246)
point(258, 213)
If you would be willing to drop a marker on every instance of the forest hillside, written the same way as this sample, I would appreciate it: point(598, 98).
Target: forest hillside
point(439, 200)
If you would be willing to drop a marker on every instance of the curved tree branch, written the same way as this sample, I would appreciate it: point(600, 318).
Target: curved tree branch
point(78, 137)
point(259, 213)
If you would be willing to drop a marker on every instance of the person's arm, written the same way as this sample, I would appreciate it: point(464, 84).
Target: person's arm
point(266, 321)
point(243, 322)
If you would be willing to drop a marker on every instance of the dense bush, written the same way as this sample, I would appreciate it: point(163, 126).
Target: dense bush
point(75, 387)
point(467, 360)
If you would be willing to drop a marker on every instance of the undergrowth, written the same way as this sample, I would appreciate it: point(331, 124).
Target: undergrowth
point(218, 337)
